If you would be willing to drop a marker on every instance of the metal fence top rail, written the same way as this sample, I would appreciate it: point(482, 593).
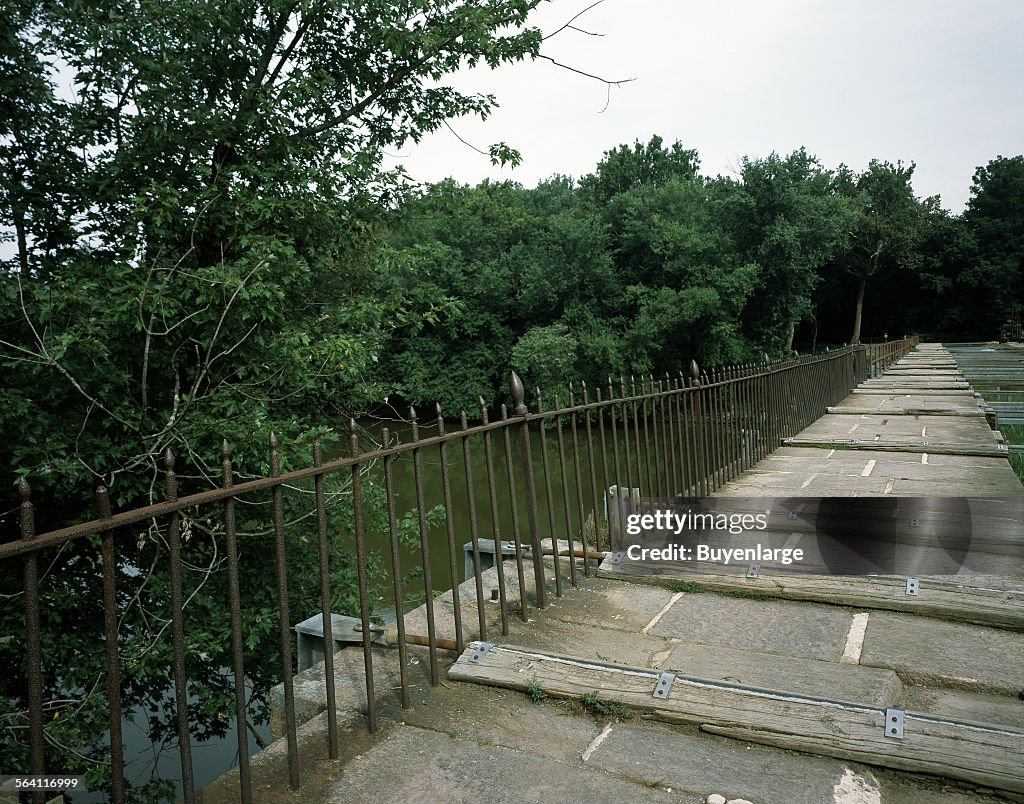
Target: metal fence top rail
point(698, 379)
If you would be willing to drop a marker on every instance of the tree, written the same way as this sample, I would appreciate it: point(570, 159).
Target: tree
point(791, 225)
point(625, 168)
point(995, 217)
point(192, 191)
point(887, 227)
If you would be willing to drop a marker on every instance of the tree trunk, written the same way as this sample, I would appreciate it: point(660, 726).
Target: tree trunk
point(858, 310)
point(790, 332)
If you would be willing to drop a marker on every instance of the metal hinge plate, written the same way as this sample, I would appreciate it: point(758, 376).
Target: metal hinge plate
point(480, 650)
point(913, 586)
point(753, 570)
point(664, 685)
point(894, 723)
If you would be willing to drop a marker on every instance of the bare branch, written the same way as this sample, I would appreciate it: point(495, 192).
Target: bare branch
point(609, 83)
point(569, 24)
point(464, 142)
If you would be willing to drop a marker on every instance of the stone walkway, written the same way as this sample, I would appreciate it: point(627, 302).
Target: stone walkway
point(551, 734)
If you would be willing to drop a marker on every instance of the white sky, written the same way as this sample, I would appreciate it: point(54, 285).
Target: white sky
point(937, 82)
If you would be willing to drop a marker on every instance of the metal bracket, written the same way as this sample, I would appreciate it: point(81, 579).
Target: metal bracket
point(664, 685)
point(480, 650)
point(617, 556)
point(894, 723)
point(913, 585)
point(753, 570)
point(793, 514)
point(914, 522)
point(924, 443)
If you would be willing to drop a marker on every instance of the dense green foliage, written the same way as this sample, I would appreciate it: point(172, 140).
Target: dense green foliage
point(201, 244)
point(645, 264)
point(189, 196)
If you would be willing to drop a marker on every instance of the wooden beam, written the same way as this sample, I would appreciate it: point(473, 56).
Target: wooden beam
point(978, 753)
point(984, 450)
point(961, 602)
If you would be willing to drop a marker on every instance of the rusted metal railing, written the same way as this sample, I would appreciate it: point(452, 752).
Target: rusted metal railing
point(667, 436)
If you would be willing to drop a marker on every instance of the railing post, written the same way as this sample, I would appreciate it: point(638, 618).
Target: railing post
point(235, 608)
point(110, 649)
point(33, 642)
point(178, 633)
point(519, 409)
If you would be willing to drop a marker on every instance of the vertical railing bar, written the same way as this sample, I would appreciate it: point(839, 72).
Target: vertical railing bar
point(579, 481)
point(718, 392)
point(550, 500)
point(649, 463)
point(284, 630)
point(113, 675)
point(178, 634)
point(516, 535)
point(518, 392)
point(453, 556)
point(749, 420)
point(653, 449)
point(33, 641)
point(499, 557)
point(325, 603)
point(636, 438)
point(237, 648)
point(700, 405)
point(684, 447)
point(593, 478)
point(628, 458)
point(620, 513)
point(658, 437)
point(361, 579)
point(564, 475)
point(396, 569)
point(734, 417)
point(421, 520)
point(474, 531)
point(675, 484)
point(604, 465)
point(665, 426)
point(711, 428)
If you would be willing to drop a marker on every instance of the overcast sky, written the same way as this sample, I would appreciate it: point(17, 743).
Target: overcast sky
point(937, 82)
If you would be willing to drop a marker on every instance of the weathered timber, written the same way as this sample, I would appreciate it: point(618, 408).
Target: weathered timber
point(914, 391)
point(981, 450)
point(976, 413)
point(1003, 608)
point(978, 753)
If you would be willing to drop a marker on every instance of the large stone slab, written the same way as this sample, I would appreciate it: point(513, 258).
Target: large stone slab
point(929, 651)
point(771, 626)
point(417, 765)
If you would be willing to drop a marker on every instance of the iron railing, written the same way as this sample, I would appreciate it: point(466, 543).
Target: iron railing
point(668, 435)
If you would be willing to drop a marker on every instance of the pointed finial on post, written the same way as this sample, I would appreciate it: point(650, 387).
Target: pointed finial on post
point(103, 502)
point(694, 372)
point(28, 518)
point(171, 482)
point(518, 391)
